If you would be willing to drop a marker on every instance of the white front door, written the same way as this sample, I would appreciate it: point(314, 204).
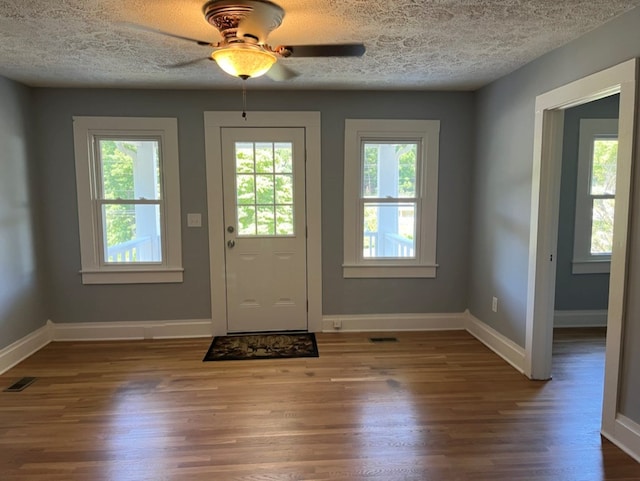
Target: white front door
point(265, 228)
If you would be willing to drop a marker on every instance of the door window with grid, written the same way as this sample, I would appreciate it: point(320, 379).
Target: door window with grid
point(264, 188)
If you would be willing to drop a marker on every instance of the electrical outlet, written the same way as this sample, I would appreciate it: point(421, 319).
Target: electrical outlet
point(337, 324)
point(494, 304)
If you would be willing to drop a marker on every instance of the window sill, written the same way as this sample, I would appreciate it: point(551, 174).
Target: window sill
point(350, 271)
point(595, 266)
point(132, 276)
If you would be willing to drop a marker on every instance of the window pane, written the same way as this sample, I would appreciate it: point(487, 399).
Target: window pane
point(266, 220)
point(244, 158)
point(265, 189)
point(246, 220)
point(389, 230)
point(246, 189)
point(284, 220)
point(389, 169)
point(603, 169)
point(131, 233)
point(284, 189)
point(264, 157)
point(602, 226)
point(284, 157)
point(129, 169)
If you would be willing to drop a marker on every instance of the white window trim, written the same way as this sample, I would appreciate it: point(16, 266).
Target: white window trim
point(93, 271)
point(427, 132)
point(583, 261)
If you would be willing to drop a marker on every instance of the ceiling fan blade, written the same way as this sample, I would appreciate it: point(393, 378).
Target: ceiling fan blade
point(257, 25)
point(187, 63)
point(279, 72)
point(337, 50)
point(161, 32)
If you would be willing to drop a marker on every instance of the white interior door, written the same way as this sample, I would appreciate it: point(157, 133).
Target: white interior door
point(265, 228)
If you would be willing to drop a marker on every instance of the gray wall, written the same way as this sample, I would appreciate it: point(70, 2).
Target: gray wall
point(501, 199)
point(74, 302)
point(22, 304)
point(577, 291)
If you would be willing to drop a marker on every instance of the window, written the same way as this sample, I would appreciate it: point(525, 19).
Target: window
point(595, 195)
point(128, 199)
point(390, 198)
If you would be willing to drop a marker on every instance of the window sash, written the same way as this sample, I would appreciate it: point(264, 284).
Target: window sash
point(96, 161)
point(101, 232)
point(100, 199)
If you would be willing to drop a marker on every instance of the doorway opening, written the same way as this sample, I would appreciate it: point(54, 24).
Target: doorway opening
point(548, 135)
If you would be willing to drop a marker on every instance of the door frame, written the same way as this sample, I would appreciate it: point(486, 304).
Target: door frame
point(548, 133)
point(214, 122)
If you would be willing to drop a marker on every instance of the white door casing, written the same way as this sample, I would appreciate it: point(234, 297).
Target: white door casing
point(265, 223)
point(214, 122)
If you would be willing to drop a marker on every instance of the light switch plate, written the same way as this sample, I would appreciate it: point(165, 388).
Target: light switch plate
point(194, 220)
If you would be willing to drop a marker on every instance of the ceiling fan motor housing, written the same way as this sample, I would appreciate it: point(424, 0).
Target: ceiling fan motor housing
point(226, 15)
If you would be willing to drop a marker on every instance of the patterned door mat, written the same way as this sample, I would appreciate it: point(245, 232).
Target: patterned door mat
point(262, 346)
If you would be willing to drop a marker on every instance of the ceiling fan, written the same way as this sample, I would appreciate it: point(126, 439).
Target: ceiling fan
point(243, 51)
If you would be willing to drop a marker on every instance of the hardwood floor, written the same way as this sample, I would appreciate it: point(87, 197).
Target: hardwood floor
point(432, 406)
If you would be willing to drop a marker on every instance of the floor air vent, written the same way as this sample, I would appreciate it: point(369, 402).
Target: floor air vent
point(383, 339)
point(20, 384)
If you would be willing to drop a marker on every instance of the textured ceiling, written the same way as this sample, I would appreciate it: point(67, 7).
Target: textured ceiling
point(411, 44)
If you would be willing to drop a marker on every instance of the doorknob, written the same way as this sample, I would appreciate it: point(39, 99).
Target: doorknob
point(231, 243)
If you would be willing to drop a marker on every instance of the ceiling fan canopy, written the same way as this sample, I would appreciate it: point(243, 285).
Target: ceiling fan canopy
point(243, 20)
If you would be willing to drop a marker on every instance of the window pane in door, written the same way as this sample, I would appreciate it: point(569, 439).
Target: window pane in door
point(264, 157)
point(389, 230)
point(244, 158)
point(283, 157)
point(266, 220)
point(284, 220)
point(246, 190)
point(602, 226)
point(389, 169)
point(246, 220)
point(603, 168)
point(131, 233)
point(264, 189)
point(284, 189)
point(129, 169)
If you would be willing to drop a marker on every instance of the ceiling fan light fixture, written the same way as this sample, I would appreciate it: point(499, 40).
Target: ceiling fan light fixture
point(244, 61)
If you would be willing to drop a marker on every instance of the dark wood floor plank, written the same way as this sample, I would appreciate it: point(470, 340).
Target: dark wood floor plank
point(432, 406)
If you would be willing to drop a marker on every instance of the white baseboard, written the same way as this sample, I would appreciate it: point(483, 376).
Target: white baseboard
point(25, 347)
point(100, 331)
point(393, 322)
point(113, 331)
point(501, 345)
point(586, 318)
point(626, 436)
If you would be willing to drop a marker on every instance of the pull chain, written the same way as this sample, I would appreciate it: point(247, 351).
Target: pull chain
point(244, 99)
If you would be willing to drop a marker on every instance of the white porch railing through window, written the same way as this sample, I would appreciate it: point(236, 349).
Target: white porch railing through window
point(141, 249)
point(381, 244)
